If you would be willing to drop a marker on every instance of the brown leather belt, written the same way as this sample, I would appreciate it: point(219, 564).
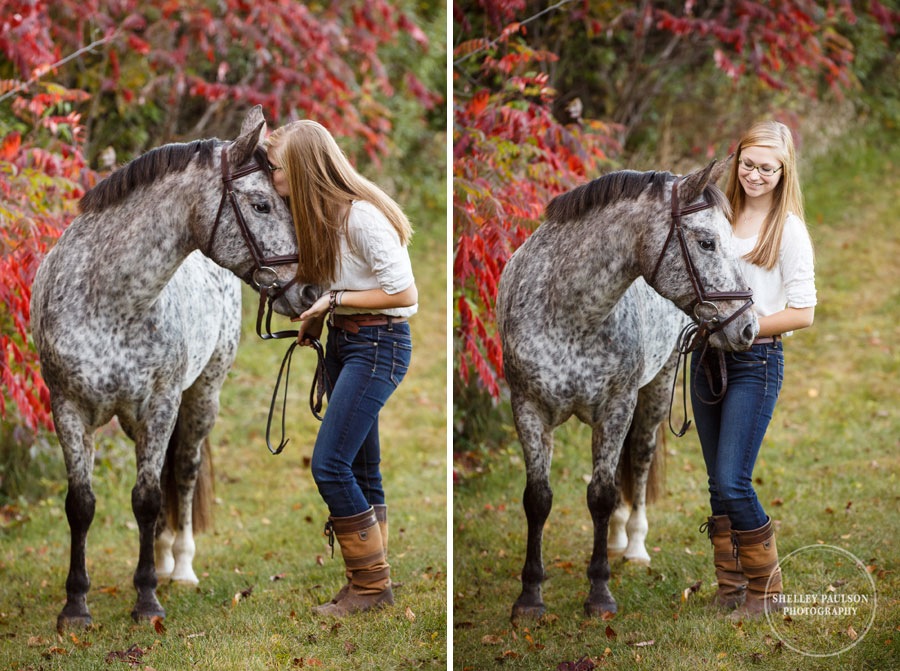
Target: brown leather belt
point(352, 323)
point(767, 340)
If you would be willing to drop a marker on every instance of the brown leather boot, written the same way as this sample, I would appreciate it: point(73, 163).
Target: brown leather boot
point(370, 575)
point(759, 561)
point(381, 516)
point(732, 584)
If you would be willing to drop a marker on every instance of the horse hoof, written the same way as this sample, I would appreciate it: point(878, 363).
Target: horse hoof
point(147, 612)
point(601, 610)
point(527, 612)
point(66, 623)
point(615, 553)
point(188, 578)
point(638, 561)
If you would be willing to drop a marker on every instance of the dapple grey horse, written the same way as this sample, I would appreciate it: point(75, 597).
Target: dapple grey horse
point(131, 320)
point(589, 310)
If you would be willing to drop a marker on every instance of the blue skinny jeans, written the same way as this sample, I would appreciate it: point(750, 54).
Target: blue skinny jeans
point(363, 370)
point(731, 431)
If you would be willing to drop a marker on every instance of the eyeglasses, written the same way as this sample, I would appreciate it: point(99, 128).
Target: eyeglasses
point(273, 168)
point(764, 170)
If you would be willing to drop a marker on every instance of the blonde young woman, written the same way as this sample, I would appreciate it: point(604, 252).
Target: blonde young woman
point(353, 243)
point(777, 258)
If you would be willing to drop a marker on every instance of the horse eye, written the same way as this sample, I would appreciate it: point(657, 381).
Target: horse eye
point(262, 208)
point(708, 245)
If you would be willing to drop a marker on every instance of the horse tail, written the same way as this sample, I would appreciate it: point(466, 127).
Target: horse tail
point(204, 491)
point(657, 474)
point(656, 479)
point(204, 496)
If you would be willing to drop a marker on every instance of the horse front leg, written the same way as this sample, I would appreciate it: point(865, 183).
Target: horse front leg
point(146, 502)
point(537, 446)
point(602, 499)
point(78, 451)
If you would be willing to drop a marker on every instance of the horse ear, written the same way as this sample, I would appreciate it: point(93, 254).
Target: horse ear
point(242, 149)
point(722, 168)
point(254, 116)
point(692, 185)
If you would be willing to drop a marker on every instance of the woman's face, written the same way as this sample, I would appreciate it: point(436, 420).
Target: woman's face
point(279, 179)
point(753, 165)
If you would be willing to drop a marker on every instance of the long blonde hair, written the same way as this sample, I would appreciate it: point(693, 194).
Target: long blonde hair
point(786, 199)
point(322, 186)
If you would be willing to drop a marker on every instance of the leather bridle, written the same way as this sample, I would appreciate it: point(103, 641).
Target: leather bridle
point(264, 277)
point(270, 289)
point(704, 310)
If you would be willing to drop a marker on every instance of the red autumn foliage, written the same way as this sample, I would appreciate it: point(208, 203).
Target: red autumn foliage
point(75, 74)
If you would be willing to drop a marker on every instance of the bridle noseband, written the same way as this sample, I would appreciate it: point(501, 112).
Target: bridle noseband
point(270, 289)
point(704, 310)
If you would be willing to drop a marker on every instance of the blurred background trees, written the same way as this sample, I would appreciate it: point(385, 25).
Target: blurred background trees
point(87, 85)
point(548, 95)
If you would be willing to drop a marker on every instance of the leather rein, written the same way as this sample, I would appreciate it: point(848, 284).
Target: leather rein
point(706, 317)
point(270, 288)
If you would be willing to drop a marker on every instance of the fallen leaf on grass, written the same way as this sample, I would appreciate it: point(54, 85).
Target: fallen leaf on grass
point(55, 650)
point(693, 589)
point(642, 644)
point(243, 594)
point(851, 632)
point(611, 633)
point(411, 616)
point(490, 639)
point(132, 655)
point(583, 664)
point(158, 625)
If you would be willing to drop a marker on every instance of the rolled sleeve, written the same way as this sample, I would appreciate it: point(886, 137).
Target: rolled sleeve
point(378, 243)
point(798, 265)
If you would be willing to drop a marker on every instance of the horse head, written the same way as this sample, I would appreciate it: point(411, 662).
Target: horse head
point(695, 263)
point(253, 234)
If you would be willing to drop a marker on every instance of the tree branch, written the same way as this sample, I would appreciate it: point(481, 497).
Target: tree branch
point(72, 56)
point(521, 23)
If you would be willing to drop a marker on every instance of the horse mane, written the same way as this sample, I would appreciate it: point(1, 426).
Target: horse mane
point(146, 169)
point(616, 186)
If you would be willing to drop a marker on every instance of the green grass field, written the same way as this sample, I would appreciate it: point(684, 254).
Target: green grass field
point(828, 474)
point(266, 563)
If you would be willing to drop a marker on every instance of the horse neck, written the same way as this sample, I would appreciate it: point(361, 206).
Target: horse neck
point(598, 255)
point(138, 245)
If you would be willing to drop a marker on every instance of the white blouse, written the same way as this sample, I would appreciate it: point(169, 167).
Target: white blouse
point(373, 257)
point(791, 282)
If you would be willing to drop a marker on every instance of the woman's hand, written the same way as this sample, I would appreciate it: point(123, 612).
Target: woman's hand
point(309, 329)
point(312, 321)
point(319, 309)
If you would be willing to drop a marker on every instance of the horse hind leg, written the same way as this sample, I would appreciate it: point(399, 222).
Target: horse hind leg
point(188, 484)
point(641, 467)
point(78, 451)
point(617, 538)
point(537, 445)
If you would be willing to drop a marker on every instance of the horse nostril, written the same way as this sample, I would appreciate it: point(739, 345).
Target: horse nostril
point(748, 332)
point(310, 294)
